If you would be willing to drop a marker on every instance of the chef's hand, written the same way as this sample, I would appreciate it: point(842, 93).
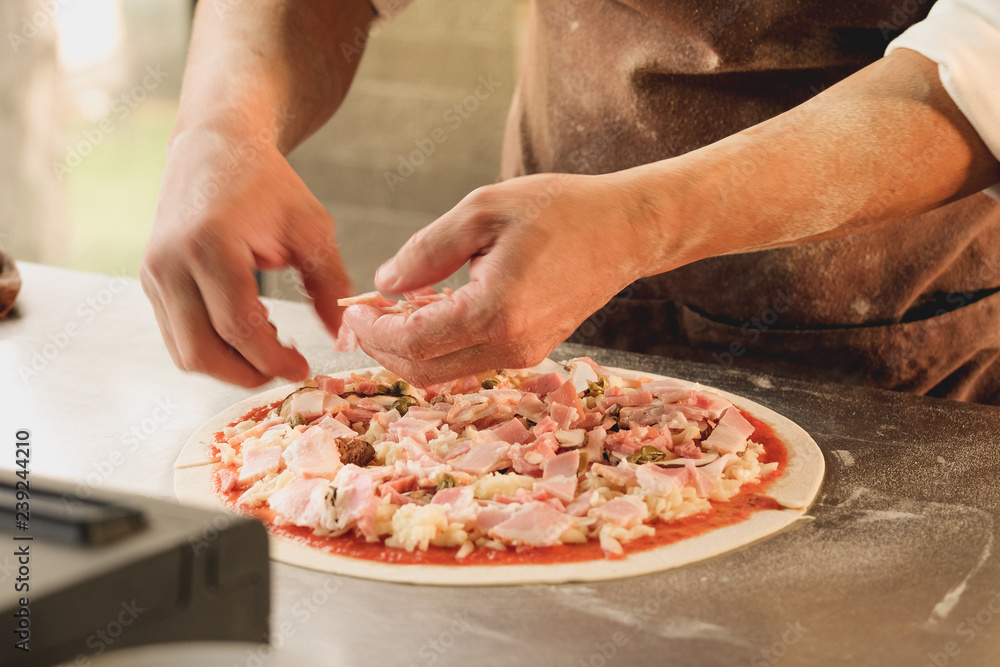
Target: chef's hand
point(230, 204)
point(546, 251)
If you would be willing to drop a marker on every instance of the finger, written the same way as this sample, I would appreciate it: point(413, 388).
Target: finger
point(436, 251)
point(160, 313)
point(237, 315)
point(324, 278)
point(193, 342)
point(437, 329)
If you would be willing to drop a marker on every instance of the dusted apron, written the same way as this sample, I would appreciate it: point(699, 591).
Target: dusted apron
point(606, 85)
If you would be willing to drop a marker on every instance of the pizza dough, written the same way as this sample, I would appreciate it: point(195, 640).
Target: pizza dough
point(795, 490)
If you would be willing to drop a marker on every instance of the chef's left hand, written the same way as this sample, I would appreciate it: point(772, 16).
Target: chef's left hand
point(545, 252)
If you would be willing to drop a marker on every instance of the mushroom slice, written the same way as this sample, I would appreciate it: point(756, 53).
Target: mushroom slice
point(706, 458)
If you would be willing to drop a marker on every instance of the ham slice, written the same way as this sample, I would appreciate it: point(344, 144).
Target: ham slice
point(303, 502)
point(565, 464)
point(626, 398)
point(617, 475)
point(513, 431)
point(483, 458)
point(461, 502)
point(314, 454)
point(356, 500)
point(532, 407)
point(566, 395)
point(536, 524)
point(254, 431)
point(543, 384)
point(258, 463)
point(625, 511)
point(336, 428)
point(657, 481)
point(730, 434)
point(582, 504)
point(562, 487)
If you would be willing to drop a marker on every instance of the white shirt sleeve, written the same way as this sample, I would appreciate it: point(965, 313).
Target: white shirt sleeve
point(963, 38)
point(388, 8)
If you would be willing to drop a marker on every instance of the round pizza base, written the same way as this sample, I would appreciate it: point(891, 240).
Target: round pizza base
point(795, 490)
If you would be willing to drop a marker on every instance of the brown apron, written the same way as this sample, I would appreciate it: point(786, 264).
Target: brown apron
point(607, 85)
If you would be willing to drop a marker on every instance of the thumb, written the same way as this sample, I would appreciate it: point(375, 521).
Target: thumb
point(436, 251)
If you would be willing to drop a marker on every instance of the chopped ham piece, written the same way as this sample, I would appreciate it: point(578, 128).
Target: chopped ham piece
point(483, 458)
point(702, 482)
point(566, 395)
point(489, 517)
point(356, 499)
point(543, 384)
point(565, 464)
point(373, 299)
point(259, 462)
point(314, 454)
point(657, 481)
point(535, 525)
point(308, 404)
point(625, 511)
point(421, 430)
point(713, 404)
point(303, 502)
point(401, 484)
point(563, 416)
point(617, 475)
point(528, 459)
point(730, 434)
point(228, 480)
point(626, 398)
point(582, 504)
point(715, 469)
point(513, 431)
point(562, 487)
point(461, 502)
point(688, 450)
point(254, 431)
point(531, 407)
point(331, 385)
point(336, 428)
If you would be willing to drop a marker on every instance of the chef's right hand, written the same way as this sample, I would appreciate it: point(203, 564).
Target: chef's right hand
point(230, 204)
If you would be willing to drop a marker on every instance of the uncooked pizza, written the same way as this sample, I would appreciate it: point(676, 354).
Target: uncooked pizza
point(566, 471)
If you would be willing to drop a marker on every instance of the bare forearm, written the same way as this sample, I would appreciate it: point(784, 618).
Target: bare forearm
point(267, 64)
point(884, 144)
